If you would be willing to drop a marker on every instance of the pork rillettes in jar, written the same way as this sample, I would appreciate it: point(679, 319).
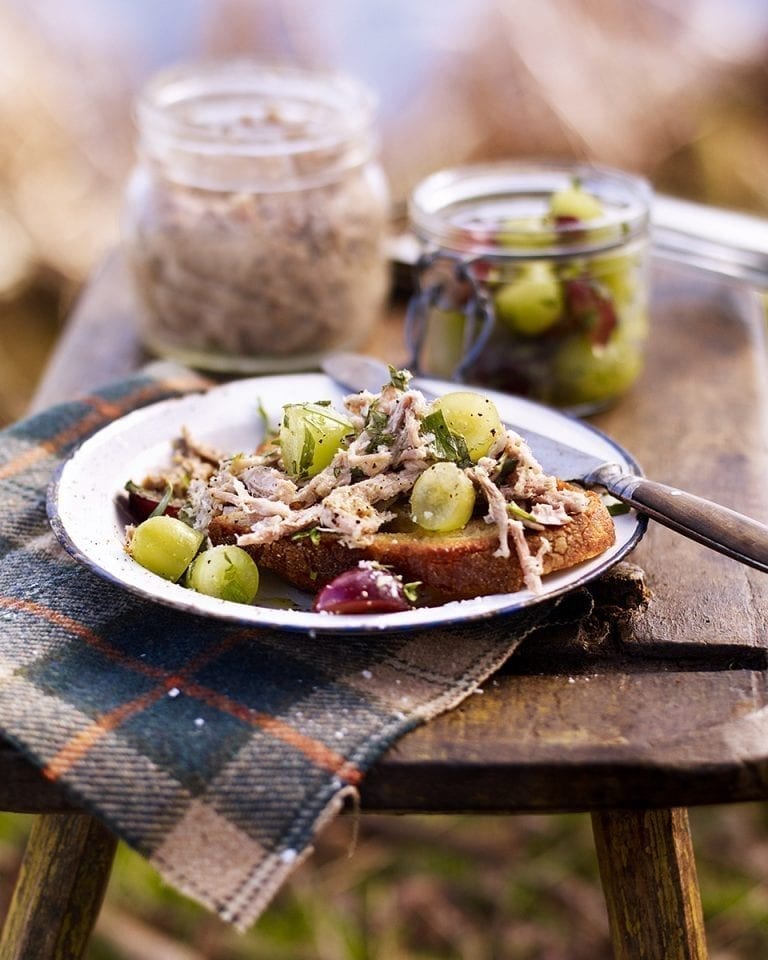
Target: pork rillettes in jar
point(256, 217)
point(533, 280)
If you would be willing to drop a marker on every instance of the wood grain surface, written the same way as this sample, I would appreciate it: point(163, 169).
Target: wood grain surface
point(60, 888)
point(697, 420)
point(648, 872)
point(658, 705)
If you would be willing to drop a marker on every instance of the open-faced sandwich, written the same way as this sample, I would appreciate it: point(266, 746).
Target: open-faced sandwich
point(361, 504)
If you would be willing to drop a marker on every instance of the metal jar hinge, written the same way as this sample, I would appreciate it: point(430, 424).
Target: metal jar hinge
point(446, 277)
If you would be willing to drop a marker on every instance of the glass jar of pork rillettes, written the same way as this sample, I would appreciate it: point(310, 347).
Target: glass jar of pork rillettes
point(533, 280)
point(256, 217)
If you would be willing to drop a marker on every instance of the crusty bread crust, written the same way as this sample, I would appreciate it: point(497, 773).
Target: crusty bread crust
point(450, 566)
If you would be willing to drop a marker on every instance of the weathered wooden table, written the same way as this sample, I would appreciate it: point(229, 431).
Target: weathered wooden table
point(666, 711)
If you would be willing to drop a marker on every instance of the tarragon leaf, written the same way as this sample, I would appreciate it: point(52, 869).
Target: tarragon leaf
point(270, 431)
point(163, 504)
point(516, 511)
point(307, 451)
point(232, 587)
point(263, 416)
point(312, 534)
point(507, 468)
point(399, 378)
point(447, 444)
point(376, 427)
point(411, 590)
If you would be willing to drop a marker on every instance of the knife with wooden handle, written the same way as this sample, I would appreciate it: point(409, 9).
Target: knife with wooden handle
point(717, 527)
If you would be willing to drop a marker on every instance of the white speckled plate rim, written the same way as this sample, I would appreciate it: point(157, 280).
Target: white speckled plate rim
point(83, 502)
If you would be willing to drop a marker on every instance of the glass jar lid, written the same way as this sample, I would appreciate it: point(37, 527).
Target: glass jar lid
point(502, 209)
point(288, 124)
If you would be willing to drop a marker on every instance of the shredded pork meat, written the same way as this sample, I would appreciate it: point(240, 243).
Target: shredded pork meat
point(271, 528)
point(497, 506)
point(354, 495)
point(350, 511)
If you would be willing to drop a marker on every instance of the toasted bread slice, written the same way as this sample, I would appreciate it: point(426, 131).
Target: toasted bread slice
point(451, 566)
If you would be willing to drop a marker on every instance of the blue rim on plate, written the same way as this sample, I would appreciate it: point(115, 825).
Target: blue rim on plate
point(84, 511)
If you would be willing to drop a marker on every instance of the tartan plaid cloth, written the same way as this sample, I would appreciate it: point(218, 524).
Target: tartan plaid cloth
point(215, 751)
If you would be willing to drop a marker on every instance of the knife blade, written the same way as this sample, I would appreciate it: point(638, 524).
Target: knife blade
point(720, 528)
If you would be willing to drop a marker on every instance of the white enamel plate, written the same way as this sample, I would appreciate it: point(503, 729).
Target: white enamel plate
point(84, 501)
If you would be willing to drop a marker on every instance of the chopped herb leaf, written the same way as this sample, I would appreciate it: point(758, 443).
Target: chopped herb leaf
point(312, 534)
point(163, 504)
point(268, 430)
point(507, 468)
point(515, 511)
point(186, 515)
point(447, 444)
point(233, 588)
point(617, 509)
point(399, 378)
point(376, 427)
point(411, 590)
point(307, 451)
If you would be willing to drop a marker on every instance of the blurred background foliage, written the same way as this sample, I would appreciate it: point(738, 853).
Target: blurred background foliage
point(432, 888)
point(675, 89)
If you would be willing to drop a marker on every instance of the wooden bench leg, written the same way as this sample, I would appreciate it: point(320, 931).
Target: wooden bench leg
point(648, 872)
point(60, 888)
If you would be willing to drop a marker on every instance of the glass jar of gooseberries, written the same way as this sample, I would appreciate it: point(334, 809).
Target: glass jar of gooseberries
point(532, 280)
